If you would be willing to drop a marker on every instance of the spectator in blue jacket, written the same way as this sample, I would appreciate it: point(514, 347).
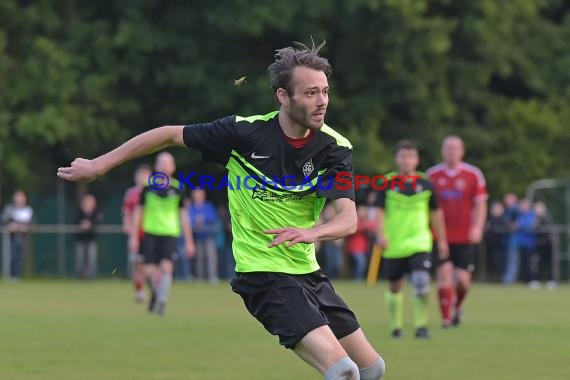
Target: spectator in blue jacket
point(526, 242)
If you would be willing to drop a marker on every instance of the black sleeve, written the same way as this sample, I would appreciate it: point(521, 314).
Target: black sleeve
point(214, 140)
point(337, 181)
point(433, 205)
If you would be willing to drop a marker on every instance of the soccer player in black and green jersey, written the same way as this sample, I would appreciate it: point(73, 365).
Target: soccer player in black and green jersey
point(164, 218)
point(405, 211)
point(274, 224)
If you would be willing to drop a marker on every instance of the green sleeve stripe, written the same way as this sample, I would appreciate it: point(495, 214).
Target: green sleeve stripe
point(340, 139)
point(251, 119)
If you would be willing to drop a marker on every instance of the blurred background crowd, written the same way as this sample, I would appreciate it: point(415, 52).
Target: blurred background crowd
point(517, 244)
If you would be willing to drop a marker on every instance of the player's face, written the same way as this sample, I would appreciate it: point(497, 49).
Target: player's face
point(407, 160)
point(165, 164)
point(452, 150)
point(309, 99)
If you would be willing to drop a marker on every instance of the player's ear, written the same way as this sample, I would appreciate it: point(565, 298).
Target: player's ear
point(282, 96)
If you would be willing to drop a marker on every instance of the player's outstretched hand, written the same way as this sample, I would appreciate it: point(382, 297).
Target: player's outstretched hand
point(291, 235)
point(81, 170)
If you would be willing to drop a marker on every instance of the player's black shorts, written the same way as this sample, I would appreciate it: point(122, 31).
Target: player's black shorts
point(156, 248)
point(397, 268)
point(290, 306)
point(462, 256)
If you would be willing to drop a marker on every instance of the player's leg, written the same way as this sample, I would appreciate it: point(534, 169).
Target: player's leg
point(393, 297)
point(445, 286)
point(151, 259)
point(419, 265)
point(138, 278)
point(320, 349)
point(464, 263)
point(136, 260)
point(168, 251)
point(298, 322)
point(345, 327)
point(370, 363)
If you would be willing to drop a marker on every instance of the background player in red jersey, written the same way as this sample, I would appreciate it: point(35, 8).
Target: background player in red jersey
point(462, 195)
point(130, 201)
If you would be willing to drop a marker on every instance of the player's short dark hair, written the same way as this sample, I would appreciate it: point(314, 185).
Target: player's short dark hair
point(406, 145)
point(286, 59)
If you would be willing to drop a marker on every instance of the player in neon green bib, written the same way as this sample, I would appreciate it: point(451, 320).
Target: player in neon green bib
point(406, 211)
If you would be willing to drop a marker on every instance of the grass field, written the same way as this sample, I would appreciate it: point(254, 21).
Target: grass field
point(53, 330)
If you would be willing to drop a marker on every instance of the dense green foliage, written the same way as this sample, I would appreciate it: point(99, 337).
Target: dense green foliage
point(79, 77)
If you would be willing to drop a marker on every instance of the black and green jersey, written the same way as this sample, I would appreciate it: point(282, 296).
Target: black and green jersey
point(255, 146)
point(406, 216)
point(161, 210)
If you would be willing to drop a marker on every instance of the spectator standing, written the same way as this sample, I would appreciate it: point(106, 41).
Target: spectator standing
point(227, 263)
point(204, 219)
point(544, 244)
point(86, 245)
point(18, 217)
point(496, 236)
point(512, 266)
point(331, 249)
point(358, 244)
point(526, 242)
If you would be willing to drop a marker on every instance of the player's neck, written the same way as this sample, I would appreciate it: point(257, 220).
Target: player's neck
point(412, 173)
point(291, 128)
point(453, 165)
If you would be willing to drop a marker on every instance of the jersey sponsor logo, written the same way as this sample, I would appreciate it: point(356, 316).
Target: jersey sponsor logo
point(451, 194)
point(271, 196)
point(255, 156)
point(308, 168)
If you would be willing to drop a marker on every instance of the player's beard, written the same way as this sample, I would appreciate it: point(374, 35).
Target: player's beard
point(303, 116)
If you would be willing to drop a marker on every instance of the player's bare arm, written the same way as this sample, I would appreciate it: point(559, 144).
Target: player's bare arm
point(84, 170)
point(479, 218)
point(341, 225)
point(438, 224)
point(189, 246)
point(380, 236)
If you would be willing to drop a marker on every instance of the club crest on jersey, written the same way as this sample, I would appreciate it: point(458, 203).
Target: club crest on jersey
point(308, 168)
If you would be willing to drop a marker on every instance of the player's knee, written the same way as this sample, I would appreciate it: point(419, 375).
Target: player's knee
point(420, 281)
point(344, 369)
point(375, 371)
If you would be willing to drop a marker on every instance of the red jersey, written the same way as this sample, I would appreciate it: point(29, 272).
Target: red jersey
point(358, 243)
point(132, 200)
point(458, 190)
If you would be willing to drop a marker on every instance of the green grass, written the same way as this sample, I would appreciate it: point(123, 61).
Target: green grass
point(53, 330)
